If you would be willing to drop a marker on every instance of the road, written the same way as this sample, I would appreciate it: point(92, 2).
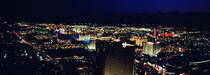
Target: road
point(47, 57)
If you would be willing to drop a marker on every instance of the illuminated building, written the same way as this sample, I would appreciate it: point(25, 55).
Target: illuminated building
point(139, 42)
point(86, 41)
point(42, 31)
point(162, 34)
point(77, 30)
point(105, 38)
point(84, 37)
point(125, 44)
point(145, 29)
point(61, 30)
point(154, 32)
point(168, 34)
point(92, 45)
point(151, 48)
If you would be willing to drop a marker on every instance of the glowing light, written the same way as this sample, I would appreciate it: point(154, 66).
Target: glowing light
point(162, 34)
point(126, 44)
point(57, 40)
point(76, 56)
point(168, 34)
point(79, 68)
point(86, 41)
point(138, 55)
point(57, 31)
point(61, 25)
point(62, 30)
point(154, 32)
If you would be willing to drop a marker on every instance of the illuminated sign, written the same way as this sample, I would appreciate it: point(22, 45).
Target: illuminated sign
point(76, 56)
point(154, 32)
point(162, 34)
point(168, 34)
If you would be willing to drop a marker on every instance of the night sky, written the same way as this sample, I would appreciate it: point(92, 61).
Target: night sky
point(108, 11)
point(87, 7)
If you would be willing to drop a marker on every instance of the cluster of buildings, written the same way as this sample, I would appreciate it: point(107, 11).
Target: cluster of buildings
point(94, 50)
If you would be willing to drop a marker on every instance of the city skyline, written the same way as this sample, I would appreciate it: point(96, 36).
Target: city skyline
point(104, 37)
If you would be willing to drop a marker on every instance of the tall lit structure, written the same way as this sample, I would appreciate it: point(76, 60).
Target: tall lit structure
point(154, 32)
point(151, 48)
point(92, 45)
point(139, 42)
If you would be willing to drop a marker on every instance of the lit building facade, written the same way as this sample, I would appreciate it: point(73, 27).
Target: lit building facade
point(151, 48)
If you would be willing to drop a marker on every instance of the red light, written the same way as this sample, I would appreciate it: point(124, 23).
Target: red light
point(162, 34)
point(61, 25)
point(76, 56)
point(166, 34)
point(142, 59)
point(170, 34)
point(144, 65)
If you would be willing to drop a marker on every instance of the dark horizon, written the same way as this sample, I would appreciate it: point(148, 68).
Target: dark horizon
point(189, 18)
point(95, 7)
point(111, 11)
